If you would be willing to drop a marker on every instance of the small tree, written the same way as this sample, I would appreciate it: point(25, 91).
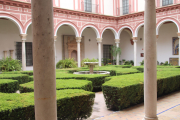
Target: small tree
point(115, 51)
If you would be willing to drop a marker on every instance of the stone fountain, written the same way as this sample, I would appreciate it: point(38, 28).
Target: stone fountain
point(91, 65)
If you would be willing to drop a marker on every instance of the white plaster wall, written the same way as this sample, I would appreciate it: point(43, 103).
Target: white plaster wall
point(164, 43)
point(68, 4)
point(141, 5)
point(108, 7)
point(9, 34)
point(91, 47)
point(108, 39)
point(127, 50)
point(140, 45)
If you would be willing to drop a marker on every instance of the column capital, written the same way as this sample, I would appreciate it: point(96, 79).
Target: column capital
point(134, 38)
point(157, 36)
point(55, 38)
point(23, 36)
point(99, 40)
point(178, 35)
point(117, 40)
point(78, 39)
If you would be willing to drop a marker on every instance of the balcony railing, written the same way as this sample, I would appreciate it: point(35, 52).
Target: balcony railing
point(124, 10)
point(89, 7)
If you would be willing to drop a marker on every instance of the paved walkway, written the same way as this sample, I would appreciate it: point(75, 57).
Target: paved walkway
point(168, 108)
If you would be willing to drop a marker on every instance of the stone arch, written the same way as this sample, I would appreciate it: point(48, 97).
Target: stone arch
point(27, 26)
point(113, 30)
point(93, 27)
point(72, 25)
point(124, 27)
point(137, 28)
point(159, 24)
point(14, 20)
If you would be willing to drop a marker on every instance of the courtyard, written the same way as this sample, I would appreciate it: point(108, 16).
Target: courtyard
point(90, 93)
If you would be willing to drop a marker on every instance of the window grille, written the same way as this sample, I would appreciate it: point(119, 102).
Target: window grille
point(125, 6)
point(107, 57)
point(167, 2)
point(29, 55)
point(88, 5)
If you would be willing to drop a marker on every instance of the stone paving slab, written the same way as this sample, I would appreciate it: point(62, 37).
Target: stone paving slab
point(168, 108)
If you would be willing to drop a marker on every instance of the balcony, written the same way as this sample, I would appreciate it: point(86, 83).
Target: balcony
point(89, 7)
point(124, 10)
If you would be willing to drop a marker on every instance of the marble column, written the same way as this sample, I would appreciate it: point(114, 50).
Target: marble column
point(44, 60)
point(5, 54)
point(117, 41)
point(55, 39)
point(78, 40)
point(150, 63)
point(157, 37)
point(11, 53)
point(23, 38)
point(179, 45)
point(135, 50)
point(99, 41)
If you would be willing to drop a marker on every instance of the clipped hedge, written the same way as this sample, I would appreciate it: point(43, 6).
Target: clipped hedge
point(22, 78)
point(8, 85)
point(71, 105)
point(96, 79)
point(19, 72)
point(126, 90)
point(60, 85)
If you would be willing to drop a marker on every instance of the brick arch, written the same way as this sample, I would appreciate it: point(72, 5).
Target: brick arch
point(95, 28)
point(136, 30)
point(160, 23)
point(124, 27)
point(72, 25)
point(112, 29)
point(14, 20)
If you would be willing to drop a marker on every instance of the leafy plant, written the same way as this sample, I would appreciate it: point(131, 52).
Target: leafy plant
point(67, 63)
point(9, 64)
point(115, 51)
point(142, 63)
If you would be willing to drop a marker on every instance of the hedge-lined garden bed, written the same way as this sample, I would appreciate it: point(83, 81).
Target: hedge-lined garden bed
point(19, 72)
point(8, 85)
point(22, 78)
point(60, 85)
point(71, 105)
point(123, 91)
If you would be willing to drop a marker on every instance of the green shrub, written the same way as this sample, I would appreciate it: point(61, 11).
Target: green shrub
point(8, 85)
point(123, 91)
point(67, 63)
point(22, 78)
point(19, 72)
point(71, 105)
point(60, 85)
point(87, 60)
point(9, 64)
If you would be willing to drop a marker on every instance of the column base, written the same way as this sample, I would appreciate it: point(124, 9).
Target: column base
point(147, 118)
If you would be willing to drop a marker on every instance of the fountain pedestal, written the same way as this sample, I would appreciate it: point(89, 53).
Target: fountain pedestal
point(91, 64)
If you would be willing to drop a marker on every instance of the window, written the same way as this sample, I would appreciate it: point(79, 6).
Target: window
point(88, 5)
point(125, 6)
point(107, 57)
point(167, 2)
point(29, 55)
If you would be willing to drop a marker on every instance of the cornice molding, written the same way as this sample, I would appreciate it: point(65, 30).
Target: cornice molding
point(86, 14)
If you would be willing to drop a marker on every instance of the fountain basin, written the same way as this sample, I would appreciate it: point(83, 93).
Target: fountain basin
point(94, 72)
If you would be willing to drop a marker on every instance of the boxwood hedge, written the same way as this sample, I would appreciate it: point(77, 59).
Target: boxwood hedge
point(22, 78)
point(126, 90)
point(71, 105)
point(19, 72)
point(60, 85)
point(8, 85)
